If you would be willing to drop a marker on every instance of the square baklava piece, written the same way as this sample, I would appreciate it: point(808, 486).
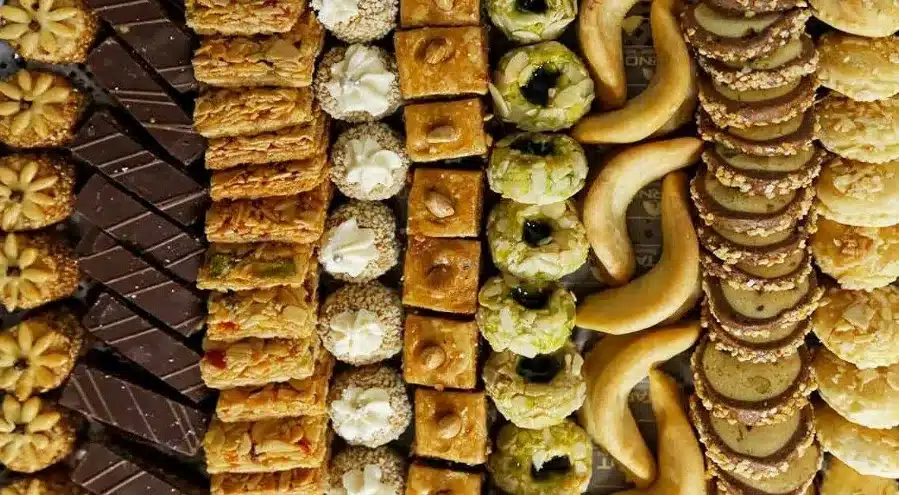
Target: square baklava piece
point(425, 480)
point(442, 61)
point(442, 274)
point(445, 202)
point(444, 130)
point(451, 426)
point(242, 17)
point(438, 352)
point(417, 13)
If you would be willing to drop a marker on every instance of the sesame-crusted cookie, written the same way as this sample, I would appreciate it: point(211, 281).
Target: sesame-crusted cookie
point(869, 451)
point(53, 31)
point(748, 7)
point(734, 37)
point(369, 405)
point(369, 162)
point(796, 59)
point(35, 269)
point(860, 326)
point(798, 479)
point(863, 69)
point(762, 347)
point(364, 470)
point(764, 175)
point(748, 107)
point(38, 109)
point(783, 138)
point(859, 258)
point(868, 397)
point(36, 433)
point(858, 193)
point(869, 18)
point(359, 243)
point(362, 323)
point(357, 21)
point(766, 250)
point(864, 131)
point(357, 83)
point(753, 276)
point(37, 191)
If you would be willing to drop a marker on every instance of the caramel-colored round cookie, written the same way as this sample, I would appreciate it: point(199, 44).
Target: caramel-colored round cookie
point(859, 258)
point(752, 276)
point(764, 347)
point(863, 69)
point(745, 108)
point(796, 480)
point(867, 397)
point(860, 327)
point(858, 193)
point(870, 18)
point(864, 131)
point(869, 451)
point(784, 138)
point(796, 59)
point(764, 175)
point(734, 247)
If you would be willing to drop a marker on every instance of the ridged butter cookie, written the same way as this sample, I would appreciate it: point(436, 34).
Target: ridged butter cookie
point(763, 347)
point(751, 393)
point(861, 327)
point(867, 397)
point(764, 175)
point(859, 258)
point(734, 247)
point(864, 131)
point(784, 138)
point(858, 193)
point(797, 480)
point(863, 69)
point(745, 108)
point(872, 452)
point(796, 59)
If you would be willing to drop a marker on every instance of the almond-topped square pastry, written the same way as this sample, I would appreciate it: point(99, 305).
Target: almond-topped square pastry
point(417, 13)
point(242, 17)
point(451, 426)
point(438, 352)
point(266, 446)
point(273, 179)
point(257, 362)
point(444, 130)
point(445, 202)
point(425, 480)
point(442, 61)
point(442, 274)
point(255, 266)
point(224, 112)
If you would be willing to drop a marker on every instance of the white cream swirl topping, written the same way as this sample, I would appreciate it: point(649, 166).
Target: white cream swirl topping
point(357, 333)
point(333, 12)
point(361, 82)
point(349, 249)
point(360, 413)
point(370, 165)
point(365, 481)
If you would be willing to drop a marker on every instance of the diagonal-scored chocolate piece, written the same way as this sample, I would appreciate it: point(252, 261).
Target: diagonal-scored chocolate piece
point(147, 100)
point(163, 44)
point(131, 223)
point(104, 471)
point(132, 278)
point(102, 145)
point(135, 410)
point(148, 346)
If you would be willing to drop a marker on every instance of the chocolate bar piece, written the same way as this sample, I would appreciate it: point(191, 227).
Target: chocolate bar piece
point(131, 223)
point(142, 342)
point(102, 145)
point(146, 99)
point(134, 279)
point(103, 471)
point(164, 45)
point(138, 411)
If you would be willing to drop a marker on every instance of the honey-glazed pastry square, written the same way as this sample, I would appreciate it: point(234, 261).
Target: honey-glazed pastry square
point(255, 266)
point(751, 393)
point(445, 202)
point(360, 242)
point(369, 162)
point(840, 479)
point(783, 138)
point(298, 481)
point(765, 250)
point(867, 397)
point(362, 323)
point(785, 275)
point(299, 142)
point(442, 274)
point(869, 451)
point(362, 470)
point(243, 112)
point(298, 397)
point(38, 109)
point(764, 175)
point(869, 18)
point(796, 480)
point(425, 480)
point(859, 258)
point(859, 193)
point(36, 269)
point(54, 31)
point(449, 61)
point(440, 353)
point(54, 482)
point(266, 446)
point(36, 433)
point(731, 108)
point(756, 452)
point(296, 219)
point(736, 37)
point(445, 130)
point(797, 59)
point(286, 59)
point(242, 17)
point(754, 215)
point(358, 83)
point(758, 347)
point(859, 130)
point(860, 68)
point(37, 191)
point(267, 180)
point(255, 362)
point(419, 13)
point(278, 312)
point(369, 405)
point(451, 426)
point(38, 354)
point(860, 326)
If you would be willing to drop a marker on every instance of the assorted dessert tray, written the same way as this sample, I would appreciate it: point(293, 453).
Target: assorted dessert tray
point(411, 247)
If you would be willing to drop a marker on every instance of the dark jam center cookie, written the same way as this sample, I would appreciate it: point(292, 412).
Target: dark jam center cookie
point(537, 88)
point(539, 369)
point(559, 465)
point(532, 6)
point(536, 233)
point(530, 298)
point(531, 147)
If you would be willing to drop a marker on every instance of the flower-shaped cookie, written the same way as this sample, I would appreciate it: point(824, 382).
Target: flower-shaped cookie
point(34, 270)
point(35, 191)
point(38, 354)
point(38, 109)
point(33, 434)
point(54, 31)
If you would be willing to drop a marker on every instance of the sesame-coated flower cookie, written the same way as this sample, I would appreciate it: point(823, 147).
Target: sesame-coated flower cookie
point(35, 269)
point(33, 434)
point(38, 109)
point(54, 31)
point(35, 191)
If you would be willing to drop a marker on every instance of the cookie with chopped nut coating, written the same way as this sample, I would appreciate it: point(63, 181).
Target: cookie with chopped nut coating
point(757, 6)
point(864, 131)
point(783, 138)
point(869, 451)
point(860, 326)
point(859, 258)
point(797, 59)
point(858, 193)
point(745, 108)
point(863, 69)
point(771, 249)
point(764, 175)
point(868, 397)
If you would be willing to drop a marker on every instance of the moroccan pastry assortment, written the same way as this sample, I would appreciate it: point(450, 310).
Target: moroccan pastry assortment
point(267, 247)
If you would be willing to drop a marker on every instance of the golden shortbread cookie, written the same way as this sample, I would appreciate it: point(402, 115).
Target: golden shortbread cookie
point(859, 193)
point(864, 131)
point(869, 451)
point(860, 326)
point(863, 69)
point(867, 397)
point(860, 258)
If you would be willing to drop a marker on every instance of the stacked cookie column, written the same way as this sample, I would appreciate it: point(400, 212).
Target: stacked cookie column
point(857, 243)
point(752, 371)
point(267, 152)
